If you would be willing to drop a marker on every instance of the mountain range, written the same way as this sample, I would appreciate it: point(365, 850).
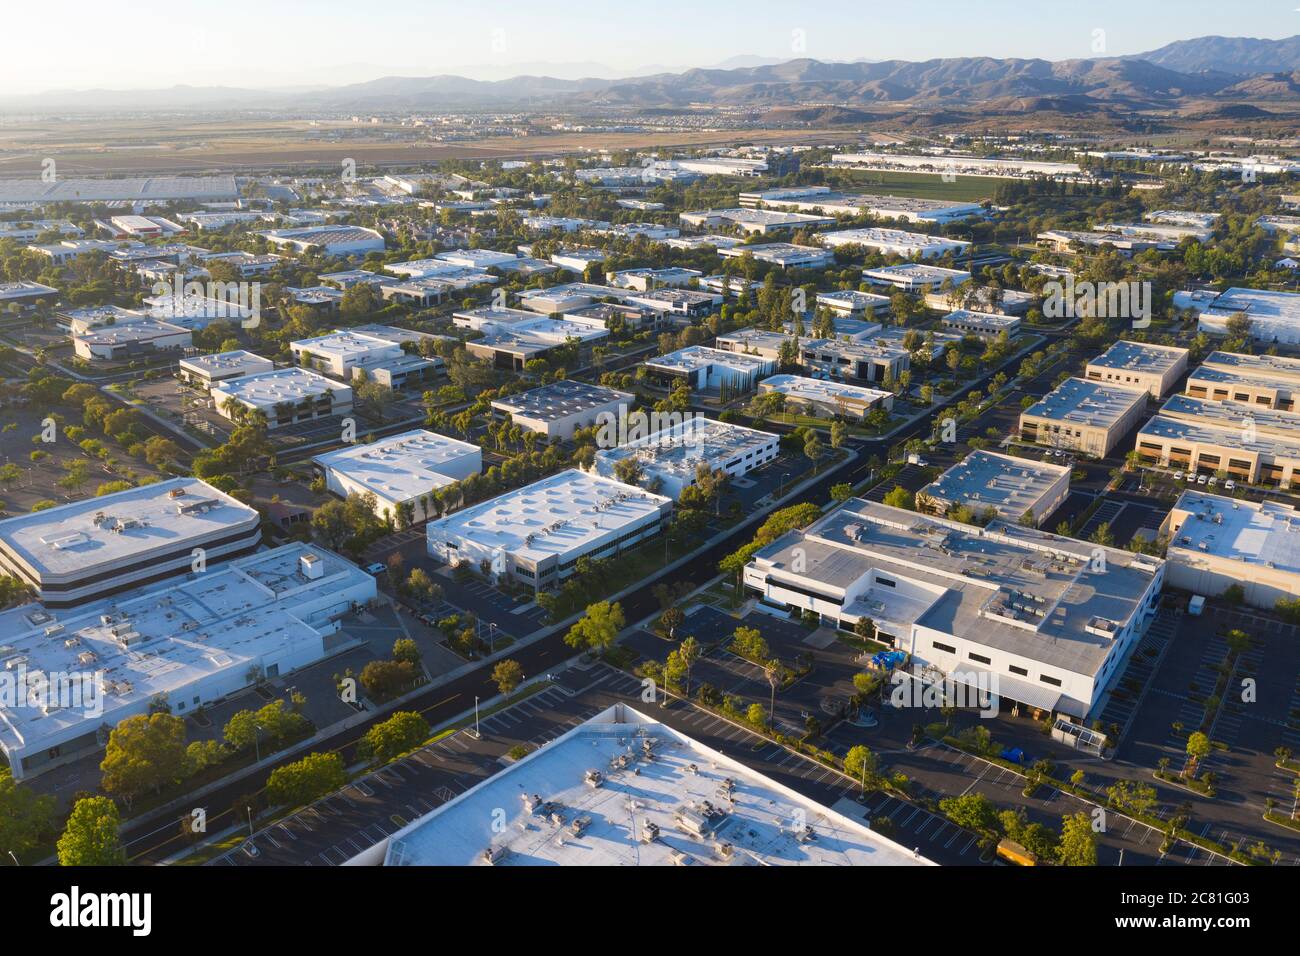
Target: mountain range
point(1205, 71)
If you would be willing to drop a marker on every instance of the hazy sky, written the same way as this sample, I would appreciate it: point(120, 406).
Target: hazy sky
point(156, 43)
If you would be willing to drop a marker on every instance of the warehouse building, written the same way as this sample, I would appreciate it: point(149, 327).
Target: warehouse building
point(1274, 316)
point(1271, 381)
point(895, 242)
point(783, 255)
point(1242, 442)
point(559, 409)
point(286, 396)
point(668, 459)
point(1155, 368)
point(915, 276)
point(1031, 618)
point(823, 398)
point(185, 645)
point(695, 806)
point(350, 354)
point(141, 339)
point(1216, 543)
point(207, 370)
point(1083, 416)
point(855, 361)
point(703, 369)
point(95, 547)
point(1018, 490)
point(760, 222)
point(537, 533)
point(400, 470)
point(337, 240)
point(984, 325)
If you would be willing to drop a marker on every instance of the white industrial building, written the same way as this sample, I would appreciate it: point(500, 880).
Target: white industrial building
point(1034, 618)
point(1156, 368)
point(25, 293)
point(784, 255)
point(400, 469)
point(895, 242)
point(285, 396)
point(331, 240)
point(95, 547)
point(1019, 490)
point(350, 354)
point(1274, 316)
point(759, 222)
point(825, 398)
point(537, 533)
point(187, 644)
point(668, 459)
point(559, 409)
point(1216, 543)
point(958, 163)
point(846, 302)
point(141, 339)
point(566, 804)
point(703, 368)
point(984, 325)
point(207, 370)
point(915, 276)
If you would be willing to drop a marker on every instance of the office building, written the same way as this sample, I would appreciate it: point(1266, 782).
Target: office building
point(1083, 416)
point(559, 409)
point(1155, 368)
point(824, 398)
point(988, 326)
point(704, 369)
point(669, 459)
point(120, 343)
point(286, 396)
point(400, 470)
point(207, 370)
point(895, 242)
point(1018, 490)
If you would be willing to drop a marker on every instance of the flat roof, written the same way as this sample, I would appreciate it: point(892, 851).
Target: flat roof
point(989, 320)
point(109, 531)
point(345, 344)
point(1265, 533)
point(1219, 431)
point(708, 809)
point(678, 450)
point(1269, 371)
point(225, 362)
point(822, 390)
point(891, 238)
point(699, 356)
point(123, 333)
point(267, 389)
point(36, 190)
point(561, 399)
point(1016, 589)
point(1140, 357)
point(1085, 402)
point(400, 467)
point(554, 516)
point(988, 479)
point(160, 639)
point(1261, 305)
point(917, 272)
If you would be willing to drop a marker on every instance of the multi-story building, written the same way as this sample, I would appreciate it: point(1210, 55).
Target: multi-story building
point(1018, 490)
point(669, 459)
point(824, 398)
point(559, 409)
point(1084, 416)
point(207, 370)
point(1156, 368)
point(286, 396)
point(400, 470)
point(703, 368)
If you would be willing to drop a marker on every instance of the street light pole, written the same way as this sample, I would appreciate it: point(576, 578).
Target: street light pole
point(477, 734)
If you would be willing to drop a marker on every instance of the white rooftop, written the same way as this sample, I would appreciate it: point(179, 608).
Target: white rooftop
point(111, 530)
point(553, 516)
point(401, 467)
point(678, 450)
point(1086, 402)
point(986, 479)
point(700, 356)
point(1254, 532)
point(1140, 356)
point(708, 809)
point(267, 389)
point(823, 390)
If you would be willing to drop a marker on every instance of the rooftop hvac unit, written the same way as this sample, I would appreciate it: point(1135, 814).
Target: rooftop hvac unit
point(311, 566)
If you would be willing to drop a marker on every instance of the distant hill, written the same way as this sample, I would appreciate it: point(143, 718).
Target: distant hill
point(1240, 55)
point(1219, 70)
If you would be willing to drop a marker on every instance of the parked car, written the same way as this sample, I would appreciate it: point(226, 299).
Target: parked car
point(1178, 476)
point(376, 568)
point(1201, 480)
point(1229, 485)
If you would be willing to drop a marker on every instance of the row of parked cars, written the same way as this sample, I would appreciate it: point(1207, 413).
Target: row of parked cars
point(1208, 480)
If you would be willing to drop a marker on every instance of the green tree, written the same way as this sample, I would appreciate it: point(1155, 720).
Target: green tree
point(25, 816)
point(1078, 846)
point(598, 628)
point(507, 675)
point(90, 837)
point(403, 731)
point(863, 766)
point(144, 753)
point(973, 811)
point(900, 497)
point(305, 780)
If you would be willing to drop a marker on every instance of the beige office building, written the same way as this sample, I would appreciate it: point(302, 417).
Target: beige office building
point(1216, 542)
point(1271, 381)
point(1083, 416)
point(1156, 368)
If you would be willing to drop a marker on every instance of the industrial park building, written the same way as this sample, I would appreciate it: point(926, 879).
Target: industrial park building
point(399, 470)
point(1156, 368)
point(88, 549)
point(1017, 489)
point(536, 534)
point(669, 459)
point(1037, 619)
point(559, 409)
point(1216, 543)
point(184, 644)
point(1083, 416)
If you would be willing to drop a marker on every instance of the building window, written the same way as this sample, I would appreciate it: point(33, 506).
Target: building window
point(980, 658)
point(943, 647)
point(1017, 670)
point(1049, 680)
